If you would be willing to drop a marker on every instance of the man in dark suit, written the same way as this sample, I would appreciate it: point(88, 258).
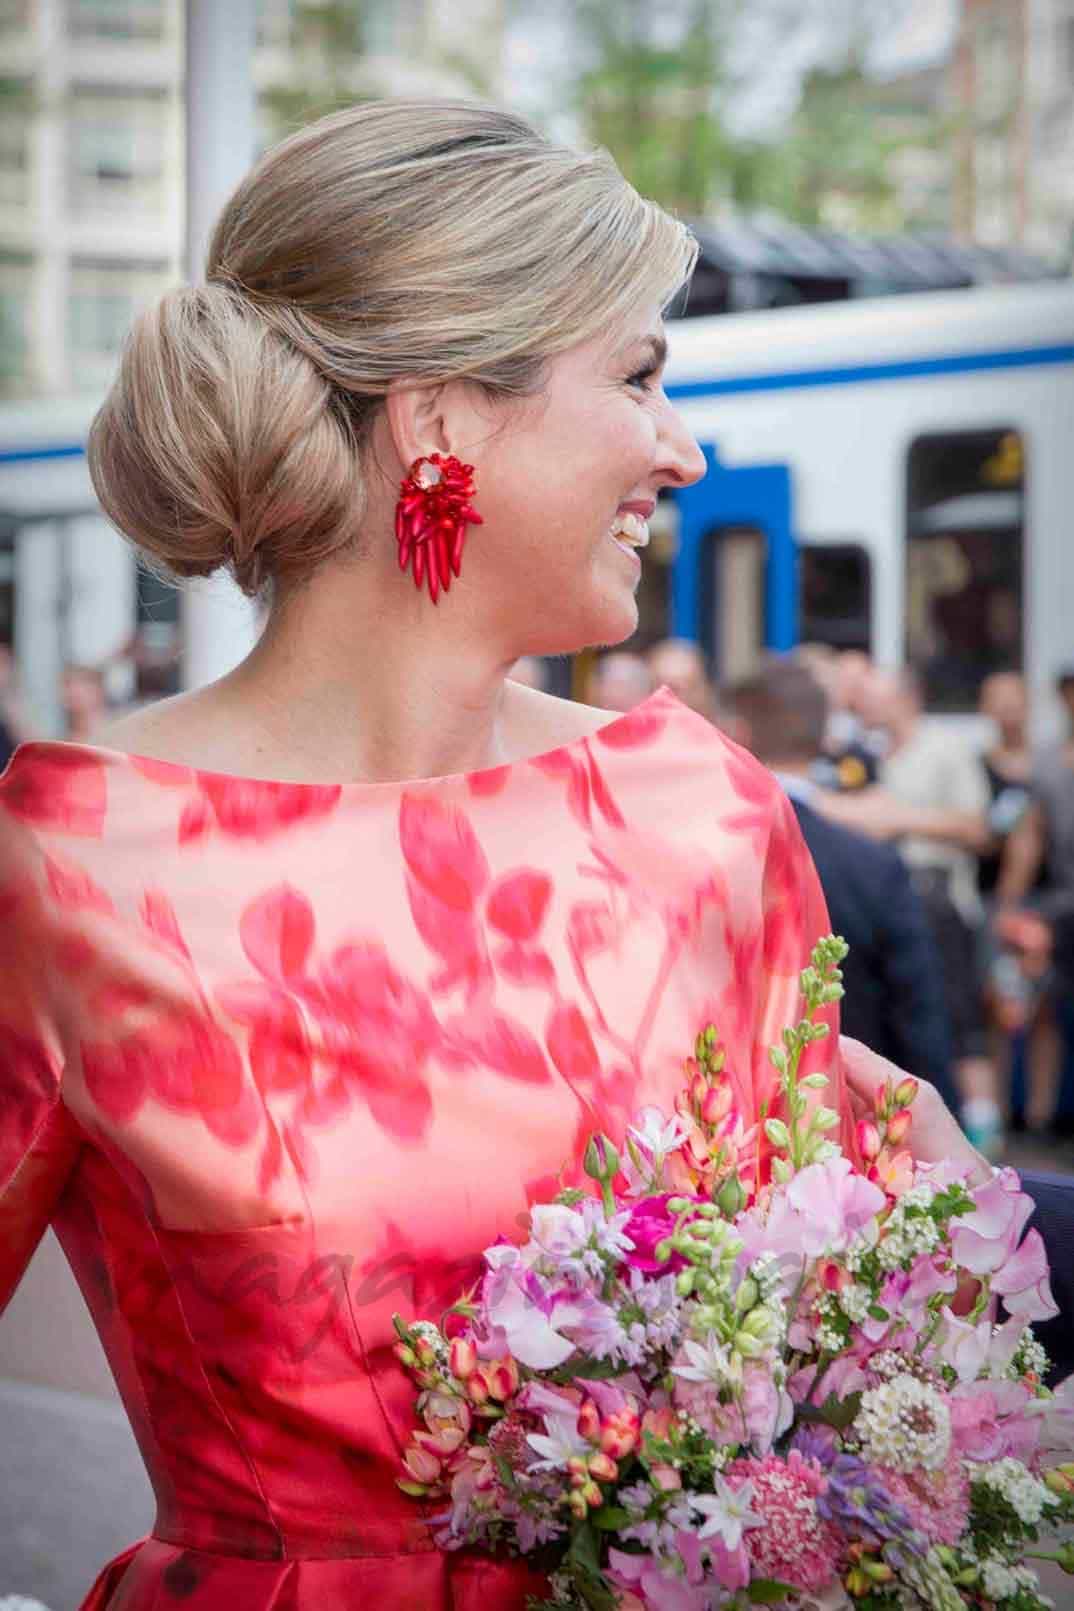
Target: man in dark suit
point(894, 1001)
point(935, 1135)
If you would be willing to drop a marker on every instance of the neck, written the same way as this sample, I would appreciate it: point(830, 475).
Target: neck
point(358, 675)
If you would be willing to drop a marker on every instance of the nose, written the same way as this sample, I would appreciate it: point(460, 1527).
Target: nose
point(681, 460)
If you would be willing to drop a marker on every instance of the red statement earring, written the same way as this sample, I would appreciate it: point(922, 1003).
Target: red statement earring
point(431, 518)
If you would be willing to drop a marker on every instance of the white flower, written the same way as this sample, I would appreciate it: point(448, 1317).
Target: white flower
point(728, 1512)
point(1026, 1496)
point(998, 1579)
point(658, 1134)
point(562, 1443)
point(904, 1423)
point(709, 1361)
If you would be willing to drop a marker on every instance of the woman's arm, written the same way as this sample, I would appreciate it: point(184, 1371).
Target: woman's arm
point(39, 1141)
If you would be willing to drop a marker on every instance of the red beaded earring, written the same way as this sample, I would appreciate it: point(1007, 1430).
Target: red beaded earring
point(431, 518)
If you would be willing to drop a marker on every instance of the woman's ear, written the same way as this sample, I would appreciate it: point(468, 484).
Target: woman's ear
point(415, 418)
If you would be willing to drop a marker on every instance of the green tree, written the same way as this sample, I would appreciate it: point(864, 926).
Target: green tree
point(649, 90)
point(325, 48)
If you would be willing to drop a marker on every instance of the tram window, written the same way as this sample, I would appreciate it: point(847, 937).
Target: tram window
point(733, 565)
point(964, 553)
point(835, 595)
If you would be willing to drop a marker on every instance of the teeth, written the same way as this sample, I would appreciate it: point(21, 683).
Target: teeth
point(631, 529)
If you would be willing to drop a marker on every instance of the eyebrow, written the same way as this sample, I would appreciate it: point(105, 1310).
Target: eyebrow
point(656, 346)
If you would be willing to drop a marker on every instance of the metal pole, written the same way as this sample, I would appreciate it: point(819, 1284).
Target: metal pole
point(219, 624)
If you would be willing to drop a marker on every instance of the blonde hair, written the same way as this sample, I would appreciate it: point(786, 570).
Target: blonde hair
point(424, 240)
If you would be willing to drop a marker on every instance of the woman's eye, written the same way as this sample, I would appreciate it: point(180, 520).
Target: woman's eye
point(642, 380)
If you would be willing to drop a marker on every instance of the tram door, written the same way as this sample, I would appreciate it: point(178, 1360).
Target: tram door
point(735, 582)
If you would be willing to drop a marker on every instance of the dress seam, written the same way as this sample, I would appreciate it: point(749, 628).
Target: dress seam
point(213, 1396)
point(272, 1560)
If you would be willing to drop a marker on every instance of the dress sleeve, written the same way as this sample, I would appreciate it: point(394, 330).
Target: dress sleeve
point(794, 918)
point(39, 1141)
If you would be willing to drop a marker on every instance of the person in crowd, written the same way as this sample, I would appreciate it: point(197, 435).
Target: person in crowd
point(84, 698)
point(852, 749)
point(529, 670)
point(1018, 944)
point(678, 664)
point(894, 1001)
point(1042, 845)
point(15, 724)
point(620, 681)
point(932, 796)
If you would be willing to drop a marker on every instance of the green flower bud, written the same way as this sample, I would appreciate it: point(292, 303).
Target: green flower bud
point(731, 1198)
point(825, 1119)
point(1065, 1556)
point(747, 1294)
point(777, 1132)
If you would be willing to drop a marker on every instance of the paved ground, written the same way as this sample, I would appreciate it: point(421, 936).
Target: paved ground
point(73, 1492)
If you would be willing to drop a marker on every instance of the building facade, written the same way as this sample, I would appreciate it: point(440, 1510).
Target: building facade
point(91, 155)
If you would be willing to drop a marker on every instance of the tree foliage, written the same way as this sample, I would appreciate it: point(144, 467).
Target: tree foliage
point(657, 84)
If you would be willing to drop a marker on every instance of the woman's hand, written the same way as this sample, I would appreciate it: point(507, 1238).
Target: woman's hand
point(934, 1134)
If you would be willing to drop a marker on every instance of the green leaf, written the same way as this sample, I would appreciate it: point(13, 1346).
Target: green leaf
point(834, 1412)
point(768, 1591)
point(600, 1370)
point(609, 1518)
point(878, 1312)
point(585, 1548)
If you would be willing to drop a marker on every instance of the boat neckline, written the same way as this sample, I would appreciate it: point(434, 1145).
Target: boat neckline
point(148, 764)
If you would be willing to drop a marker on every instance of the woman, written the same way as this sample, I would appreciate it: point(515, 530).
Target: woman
point(315, 978)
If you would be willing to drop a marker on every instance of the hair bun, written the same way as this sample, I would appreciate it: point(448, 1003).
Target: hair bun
point(220, 444)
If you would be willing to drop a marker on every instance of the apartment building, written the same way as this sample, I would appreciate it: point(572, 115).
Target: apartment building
point(91, 156)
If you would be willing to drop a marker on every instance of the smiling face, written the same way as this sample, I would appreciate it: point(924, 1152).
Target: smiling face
point(566, 481)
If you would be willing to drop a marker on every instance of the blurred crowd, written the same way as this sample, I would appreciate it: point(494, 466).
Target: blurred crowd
point(947, 862)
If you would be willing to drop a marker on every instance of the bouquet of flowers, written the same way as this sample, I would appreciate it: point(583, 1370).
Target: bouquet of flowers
point(711, 1383)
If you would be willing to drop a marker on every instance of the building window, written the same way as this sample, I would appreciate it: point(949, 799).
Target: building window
point(16, 102)
point(964, 561)
point(117, 151)
point(116, 19)
point(104, 297)
point(16, 281)
point(835, 595)
point(14, 14)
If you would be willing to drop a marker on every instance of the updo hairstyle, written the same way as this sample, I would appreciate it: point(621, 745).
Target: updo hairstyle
point(431, 240)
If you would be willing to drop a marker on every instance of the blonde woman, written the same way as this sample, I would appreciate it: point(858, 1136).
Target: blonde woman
point(314, 979)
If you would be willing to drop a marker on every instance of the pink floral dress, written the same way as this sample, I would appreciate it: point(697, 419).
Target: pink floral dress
point(279, 1059)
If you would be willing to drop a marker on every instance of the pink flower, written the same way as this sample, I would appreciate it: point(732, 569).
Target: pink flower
point(992, 1419)
point(657, 1589)
point(649, 1224)
point(795, 1544)
point(766, 1409)
point(937, 1502)
point(985, 1242)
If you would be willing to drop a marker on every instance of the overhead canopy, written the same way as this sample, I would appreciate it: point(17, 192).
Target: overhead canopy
point(757, 262)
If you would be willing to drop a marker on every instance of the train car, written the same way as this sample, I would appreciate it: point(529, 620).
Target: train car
point(893, 474)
